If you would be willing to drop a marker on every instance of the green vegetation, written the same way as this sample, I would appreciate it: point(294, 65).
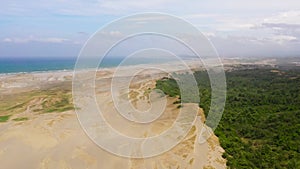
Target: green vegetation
point(260, 127)
point(168, 86)
point(39, 101)
point(4, 118)
point(58, 101)
point(21, 119)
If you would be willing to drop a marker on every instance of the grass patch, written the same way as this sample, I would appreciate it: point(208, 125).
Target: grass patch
point(39, 101)
point(21, 119)
point(63, 109)
point(4, 118)
point(60, 102)
point(20, 105)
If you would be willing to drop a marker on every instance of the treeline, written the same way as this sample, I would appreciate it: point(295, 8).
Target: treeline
point(260, 127)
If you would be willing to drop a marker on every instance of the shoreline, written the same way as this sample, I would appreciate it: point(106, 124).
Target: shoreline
point(224, 61)
point(191, 62)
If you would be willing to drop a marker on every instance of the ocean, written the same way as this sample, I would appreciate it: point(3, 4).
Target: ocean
point(26, 65)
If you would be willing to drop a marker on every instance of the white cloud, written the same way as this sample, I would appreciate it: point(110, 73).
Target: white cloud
point(283, 27)
point(7, 40)
point(288, 17)
point(282, 22)
point(209, 34)
point(281, 39)
point(34, 39)
point(52, 40)
point(112, 34)
point(280, 29)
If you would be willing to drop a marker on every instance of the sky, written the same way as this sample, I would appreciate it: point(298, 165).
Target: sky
point(59, 28)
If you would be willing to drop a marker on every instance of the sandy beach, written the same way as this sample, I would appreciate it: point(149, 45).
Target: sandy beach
point(41, 133)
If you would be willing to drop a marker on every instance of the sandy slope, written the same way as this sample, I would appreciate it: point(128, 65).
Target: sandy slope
point(56, 140)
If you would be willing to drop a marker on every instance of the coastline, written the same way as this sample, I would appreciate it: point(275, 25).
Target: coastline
point(230, 62)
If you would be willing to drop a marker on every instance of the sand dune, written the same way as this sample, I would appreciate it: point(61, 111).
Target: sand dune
point(56, 140)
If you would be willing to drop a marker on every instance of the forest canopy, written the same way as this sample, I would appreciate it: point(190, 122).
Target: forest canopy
point(260, 127)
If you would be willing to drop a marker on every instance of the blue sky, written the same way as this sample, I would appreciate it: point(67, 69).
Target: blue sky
point(41, 28)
